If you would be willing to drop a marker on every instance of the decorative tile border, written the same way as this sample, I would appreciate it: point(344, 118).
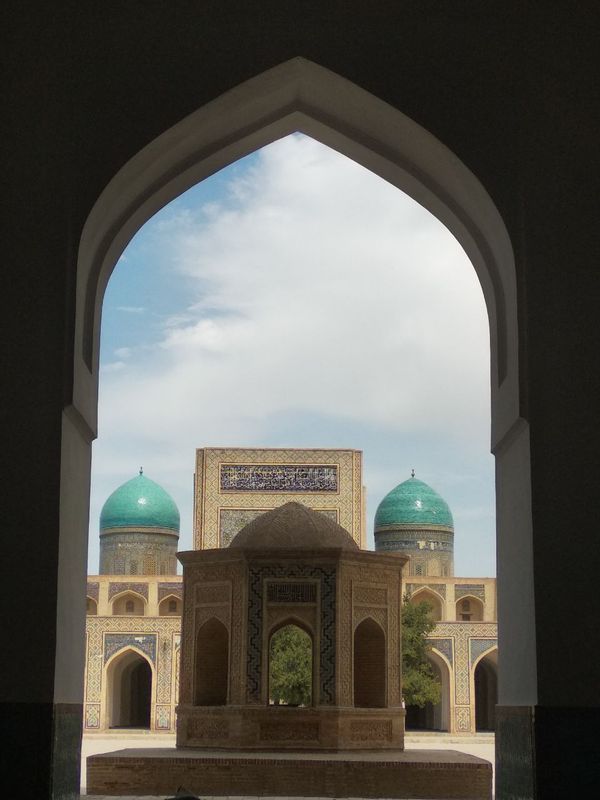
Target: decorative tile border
point(327, 579)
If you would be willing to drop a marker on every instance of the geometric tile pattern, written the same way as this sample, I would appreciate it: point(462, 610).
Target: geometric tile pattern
point(461, 633)
point(445, 647)
point(479, 646)
point(116, 588)
point(327, 577)
point(165, 627)
point(93, 589)
point(474, 589)
point(165, 589)
point(440, 588)
point(113, 642)
point(162, 718)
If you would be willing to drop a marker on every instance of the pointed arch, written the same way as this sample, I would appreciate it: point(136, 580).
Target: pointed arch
point(369, 665)
point(211, 664)
point(299, 95)
point(170, 606)
point(484, 688)
point(129, 678)
point(469, 609)
point(129, 603)
point(301, 689)
point(426, 594)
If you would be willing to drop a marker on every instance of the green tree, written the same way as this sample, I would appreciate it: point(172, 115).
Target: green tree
point(290, 667)
point(419, 684)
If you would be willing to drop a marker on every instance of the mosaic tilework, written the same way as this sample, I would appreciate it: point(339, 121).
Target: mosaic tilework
point(440, 588)
point(146, 642)
point(97, 627)
point(162, 718)
point(479, 646)
point(93, 589)
point(461, 633)
point(462, 718)
point(474, 589)
point(327, 578)
point(167, 588)
point(92, 715)
point(278, 478)
point(445, 647)
point(211, 501)
point(117, 588)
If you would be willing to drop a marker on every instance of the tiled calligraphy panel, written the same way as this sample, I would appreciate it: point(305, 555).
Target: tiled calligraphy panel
point(230, 481)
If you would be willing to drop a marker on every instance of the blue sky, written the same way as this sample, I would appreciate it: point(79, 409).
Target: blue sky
point(295, 299)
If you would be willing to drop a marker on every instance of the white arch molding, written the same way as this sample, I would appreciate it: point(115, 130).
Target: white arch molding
point(300, 96)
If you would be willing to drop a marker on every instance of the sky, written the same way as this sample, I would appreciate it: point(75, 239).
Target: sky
point(295, 299)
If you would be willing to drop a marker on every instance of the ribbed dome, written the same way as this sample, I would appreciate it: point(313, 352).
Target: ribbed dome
point(413, 503)
point(293, 526)
point(140, 503)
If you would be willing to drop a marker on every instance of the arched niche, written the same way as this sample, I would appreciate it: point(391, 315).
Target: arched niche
point(291, 656)
point(369, 665)
point(469, 609)
point(128, 604)
point(433, 716)
point(211, 664)
point(433, 599)
point(170, 606)
point(129, 690)
point(299, 95)
point(91, 607)
point(485, 686)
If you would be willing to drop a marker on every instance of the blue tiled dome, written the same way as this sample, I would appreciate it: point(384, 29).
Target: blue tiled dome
point(413, 503)
point(140, 503)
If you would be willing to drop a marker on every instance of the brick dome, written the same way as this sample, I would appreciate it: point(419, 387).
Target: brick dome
point(293, 526)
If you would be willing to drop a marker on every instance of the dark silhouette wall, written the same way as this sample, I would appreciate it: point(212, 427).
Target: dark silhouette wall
point(510, 88)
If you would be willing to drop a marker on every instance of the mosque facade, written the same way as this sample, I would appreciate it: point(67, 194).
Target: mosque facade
point(134, 605)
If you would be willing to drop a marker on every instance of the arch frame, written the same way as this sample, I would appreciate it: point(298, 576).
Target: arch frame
point(480, 603)
point(427, 590)
point(105, 703)
point(386, 664)
point(165, 599)
point(122, 595)
point(472, 670)
point(197, 631)
point(299, 95)
point(450, 698)
point(304, 626)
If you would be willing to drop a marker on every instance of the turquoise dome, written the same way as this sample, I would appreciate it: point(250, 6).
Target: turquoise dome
point(413, 503)
point(140, 503)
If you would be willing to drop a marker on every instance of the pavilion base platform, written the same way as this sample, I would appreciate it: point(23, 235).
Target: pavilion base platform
point(443, 774)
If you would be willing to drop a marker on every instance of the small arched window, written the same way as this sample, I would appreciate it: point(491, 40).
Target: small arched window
point(172, 606)
point(129, 607)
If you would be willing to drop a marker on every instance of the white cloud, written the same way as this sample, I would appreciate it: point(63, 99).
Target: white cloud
point(130, 309)
point(321, 290)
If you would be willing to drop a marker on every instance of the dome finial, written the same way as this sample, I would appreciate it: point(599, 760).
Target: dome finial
point(141, 470)
point(412, 473)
